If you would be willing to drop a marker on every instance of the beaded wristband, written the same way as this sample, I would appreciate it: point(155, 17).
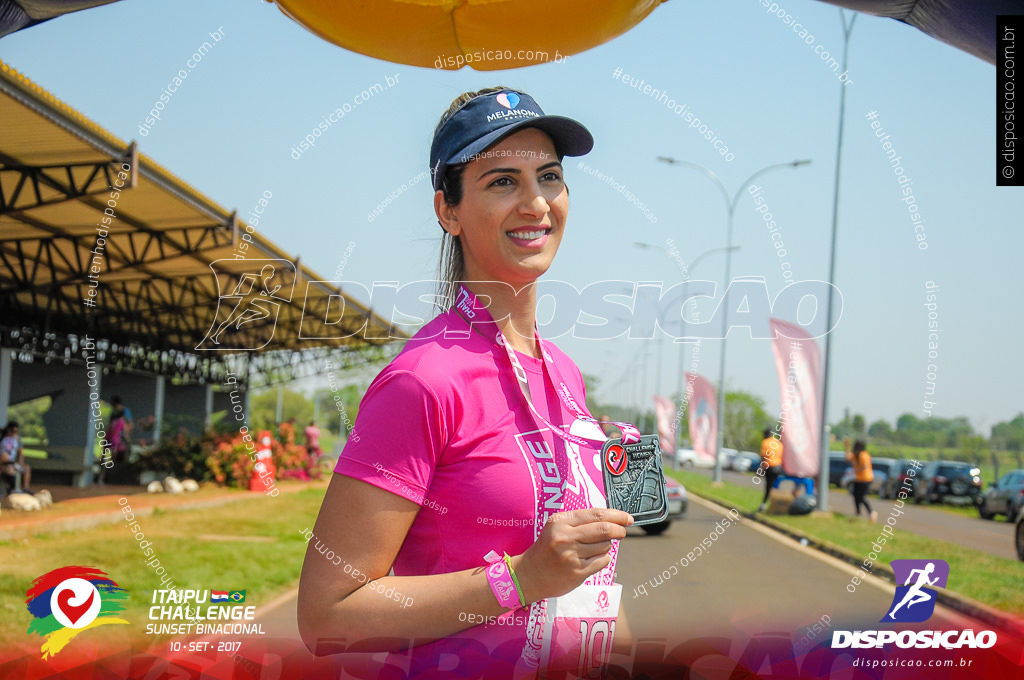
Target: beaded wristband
point(515, 579)
point(501, 581)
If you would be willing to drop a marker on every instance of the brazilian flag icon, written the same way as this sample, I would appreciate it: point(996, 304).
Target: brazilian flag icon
point(237, 596)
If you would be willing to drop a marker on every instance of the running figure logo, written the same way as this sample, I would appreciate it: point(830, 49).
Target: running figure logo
point(914, 600)
point(247, 316)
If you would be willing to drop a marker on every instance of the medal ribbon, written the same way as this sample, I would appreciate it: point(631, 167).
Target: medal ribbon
point(466, 306)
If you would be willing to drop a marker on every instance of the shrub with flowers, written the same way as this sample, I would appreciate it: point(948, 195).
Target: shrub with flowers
point(228, 459)
point(231, 458)
point(180, 455)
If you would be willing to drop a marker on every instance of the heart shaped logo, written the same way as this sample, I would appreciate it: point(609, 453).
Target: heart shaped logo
point(615, 459)
point(75, 603)
point(509, 100)
point(73, 612)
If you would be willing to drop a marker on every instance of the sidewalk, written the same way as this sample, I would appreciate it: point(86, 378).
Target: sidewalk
point(76, 509)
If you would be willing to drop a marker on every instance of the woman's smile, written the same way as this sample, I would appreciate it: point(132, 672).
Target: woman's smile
point(532, 238)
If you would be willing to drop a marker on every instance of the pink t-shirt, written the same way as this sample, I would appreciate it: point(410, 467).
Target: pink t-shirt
point(446, 425)
point(313, 436)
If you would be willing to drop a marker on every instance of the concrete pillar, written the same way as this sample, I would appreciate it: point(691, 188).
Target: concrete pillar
point(207, 416)
point(6, 361)
point(158, 407)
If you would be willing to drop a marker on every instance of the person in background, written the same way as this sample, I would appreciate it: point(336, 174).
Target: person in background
point(117, 432)
point(608, 427)
point(12, 459)
point(863, 476)
point(313, 439)
point(771, 454)
point(116, 404)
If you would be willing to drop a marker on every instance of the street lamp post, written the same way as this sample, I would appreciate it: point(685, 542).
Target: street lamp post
point(825, 435)
point(731, 206)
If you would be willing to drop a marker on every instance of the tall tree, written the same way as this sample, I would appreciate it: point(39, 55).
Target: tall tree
point(745, 418)
point(1011, 434)
point(881, 430)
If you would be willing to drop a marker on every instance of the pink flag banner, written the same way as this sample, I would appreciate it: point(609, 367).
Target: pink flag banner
point(703, 409)
point(798, 364)
point(665, 411)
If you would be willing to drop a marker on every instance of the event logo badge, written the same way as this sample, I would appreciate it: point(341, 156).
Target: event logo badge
point(615, 459)
point(914, 600)
point(247, 315)
point(509, 100)
point(66, 601)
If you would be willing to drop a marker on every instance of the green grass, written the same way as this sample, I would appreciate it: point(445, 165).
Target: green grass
point(962, 510)
point(185, 542)
point(991, 580)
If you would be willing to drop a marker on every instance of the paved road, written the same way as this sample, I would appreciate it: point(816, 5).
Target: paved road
point(748, 584)
point(991, 536)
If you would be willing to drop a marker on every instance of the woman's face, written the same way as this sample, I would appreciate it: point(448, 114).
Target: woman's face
point(513, 210)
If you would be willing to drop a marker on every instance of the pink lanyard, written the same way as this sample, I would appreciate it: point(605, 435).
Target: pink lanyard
point(466, 306)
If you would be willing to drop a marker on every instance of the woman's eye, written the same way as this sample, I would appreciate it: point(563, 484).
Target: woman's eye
point(502, 182)
point(551, 177)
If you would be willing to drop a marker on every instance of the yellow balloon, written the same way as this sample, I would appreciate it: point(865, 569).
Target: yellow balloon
point(487, 35)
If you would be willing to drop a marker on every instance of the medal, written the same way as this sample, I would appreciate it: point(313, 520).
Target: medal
point(634, 480)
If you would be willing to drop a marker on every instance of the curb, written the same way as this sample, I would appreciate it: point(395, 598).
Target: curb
point(948, 598)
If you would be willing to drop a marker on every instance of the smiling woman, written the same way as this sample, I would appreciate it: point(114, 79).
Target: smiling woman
point(468, 418)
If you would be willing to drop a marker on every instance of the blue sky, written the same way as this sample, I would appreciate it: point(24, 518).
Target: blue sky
point(229, 128)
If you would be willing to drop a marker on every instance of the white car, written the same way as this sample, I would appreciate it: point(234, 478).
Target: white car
point(688, 458)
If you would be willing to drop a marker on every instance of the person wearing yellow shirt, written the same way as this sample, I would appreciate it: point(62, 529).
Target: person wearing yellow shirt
point(863, 475)
point(771, 454)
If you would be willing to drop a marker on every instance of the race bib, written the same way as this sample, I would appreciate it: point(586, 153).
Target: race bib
point(583, 627)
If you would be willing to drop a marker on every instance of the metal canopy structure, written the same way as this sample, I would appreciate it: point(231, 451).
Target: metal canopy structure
point(98, 240)
point(968, 25)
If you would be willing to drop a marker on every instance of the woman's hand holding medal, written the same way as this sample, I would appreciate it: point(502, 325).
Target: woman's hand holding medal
point(572, 547)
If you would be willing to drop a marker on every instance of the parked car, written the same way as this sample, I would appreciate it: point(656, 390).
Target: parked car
point(902, 475)
point(1003, 497)
point(746, 461)
point(686, 458)
point(837, 465)
point(728, 456)
point(948, 481)
point(677, 505)
point(890, 467)
point(882, 467)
